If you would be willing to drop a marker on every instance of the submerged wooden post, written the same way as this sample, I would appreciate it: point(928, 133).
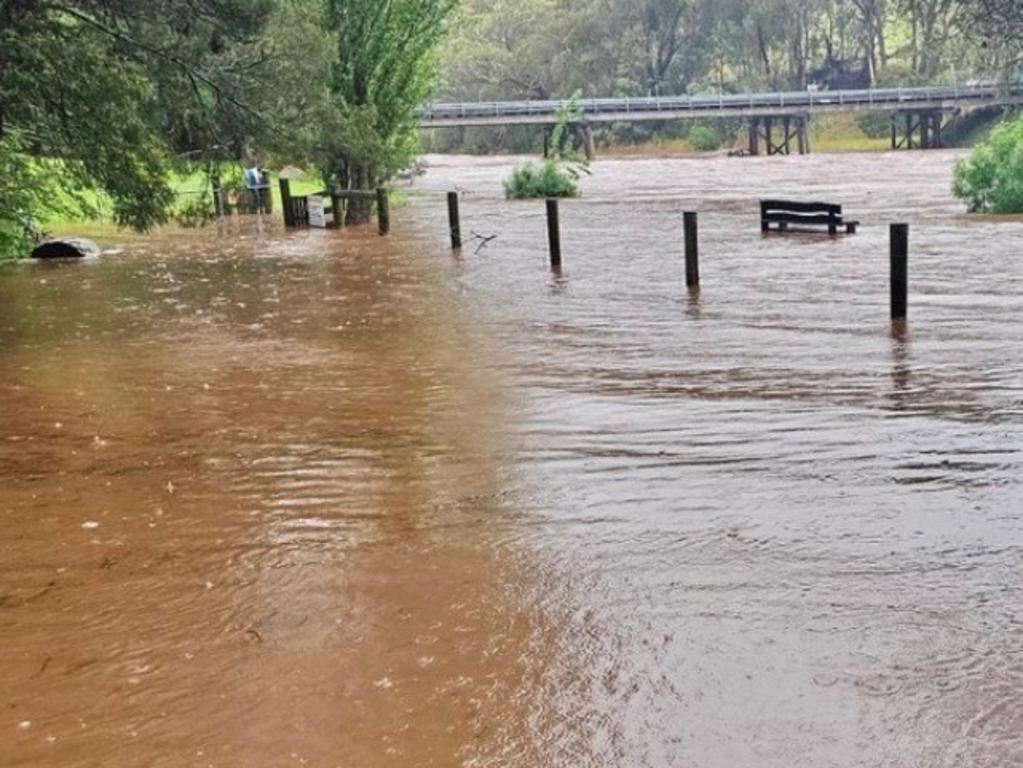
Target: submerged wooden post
point(218, 194)
point(554, 231)
point(692, 249)
point(383, 211)
point(900, 270)
point(589, 146)
point(286, 202)
point(454, 221)
point(266, 197)
point(337, 205)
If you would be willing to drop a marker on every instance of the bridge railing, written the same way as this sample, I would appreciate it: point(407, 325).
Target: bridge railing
point(781, 100)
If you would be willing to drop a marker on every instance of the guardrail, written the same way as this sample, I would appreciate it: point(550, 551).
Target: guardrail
point(791, 100)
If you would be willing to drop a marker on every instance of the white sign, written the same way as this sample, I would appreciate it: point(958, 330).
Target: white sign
point(317, 212)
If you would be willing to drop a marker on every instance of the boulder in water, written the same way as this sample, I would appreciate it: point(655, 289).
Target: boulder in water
point(66, 248)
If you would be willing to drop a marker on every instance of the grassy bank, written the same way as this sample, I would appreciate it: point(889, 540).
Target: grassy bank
point(190, 187)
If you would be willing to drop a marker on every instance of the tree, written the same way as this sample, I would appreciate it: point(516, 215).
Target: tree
point(386, 67)
point(91, 91)
point(991, 179)
point(998, 27)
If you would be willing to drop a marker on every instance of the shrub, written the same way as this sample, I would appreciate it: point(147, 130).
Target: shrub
point(533, 181)
point(14, 243)
point(704, 138)
point(559, 173)
point(875, 125)
point(991, 179)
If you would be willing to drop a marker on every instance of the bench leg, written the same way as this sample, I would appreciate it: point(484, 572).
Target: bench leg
point(832, 229)
point(850, 229)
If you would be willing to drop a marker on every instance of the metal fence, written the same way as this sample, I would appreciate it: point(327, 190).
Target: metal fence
point(887, 98)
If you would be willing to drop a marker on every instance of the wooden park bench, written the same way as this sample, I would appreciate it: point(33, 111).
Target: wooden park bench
point(779, 215)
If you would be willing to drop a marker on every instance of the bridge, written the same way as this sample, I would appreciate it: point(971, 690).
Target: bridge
point(917, 113)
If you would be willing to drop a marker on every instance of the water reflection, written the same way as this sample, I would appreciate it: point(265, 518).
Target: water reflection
point(901, 371)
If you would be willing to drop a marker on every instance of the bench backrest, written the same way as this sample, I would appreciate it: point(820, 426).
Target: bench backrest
point(794, 212)
point(792, 206)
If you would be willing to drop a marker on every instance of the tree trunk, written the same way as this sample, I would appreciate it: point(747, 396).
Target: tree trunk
point(359, 210)
point(764, 56)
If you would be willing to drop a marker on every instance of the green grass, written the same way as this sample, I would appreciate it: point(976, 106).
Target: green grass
point(186, 186)
point(840, 133)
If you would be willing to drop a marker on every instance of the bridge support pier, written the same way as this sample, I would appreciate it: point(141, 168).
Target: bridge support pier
point(794, 130)
point(584, 139)
point(917, 130)
point(583, 135)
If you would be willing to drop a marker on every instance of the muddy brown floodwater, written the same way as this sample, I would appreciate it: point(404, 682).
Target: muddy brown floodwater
point(333, 500)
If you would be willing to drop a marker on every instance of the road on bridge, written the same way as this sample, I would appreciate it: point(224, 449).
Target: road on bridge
point(928, 99)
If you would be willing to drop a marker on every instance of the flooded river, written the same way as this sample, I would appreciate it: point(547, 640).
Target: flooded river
point(321, 499)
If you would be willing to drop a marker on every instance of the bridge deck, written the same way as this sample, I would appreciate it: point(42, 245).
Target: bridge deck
point(721, 106)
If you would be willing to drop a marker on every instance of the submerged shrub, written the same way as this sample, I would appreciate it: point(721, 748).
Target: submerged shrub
point(704, 138)
point(559, 174)
point(533, 181)
point(990, 180)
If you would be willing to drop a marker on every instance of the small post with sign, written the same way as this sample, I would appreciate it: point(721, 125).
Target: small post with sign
point(316, 211)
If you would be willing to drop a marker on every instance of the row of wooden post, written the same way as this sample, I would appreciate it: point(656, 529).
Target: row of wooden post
point(691, 237)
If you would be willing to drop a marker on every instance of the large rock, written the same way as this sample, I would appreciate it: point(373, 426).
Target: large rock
point(66, 248)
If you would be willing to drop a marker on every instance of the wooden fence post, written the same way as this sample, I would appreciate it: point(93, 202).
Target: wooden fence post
point(335, 204)
point(218, 194)
point(286, 202)
point(266, 194)
point(454, 221)
point(900, 270)
point(554, 231)
point(692, 249)
point(383, 211)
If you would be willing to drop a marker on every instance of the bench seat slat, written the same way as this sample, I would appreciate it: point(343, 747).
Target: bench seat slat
point(822, 220)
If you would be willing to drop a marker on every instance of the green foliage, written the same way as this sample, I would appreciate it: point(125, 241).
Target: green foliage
point(991, 179)
point(533, 181)
point(385, 67)
point(704, 138)
point(24, 188)
point(875, 125)
point(544, 49)
point(559, 174)
point(96, 97)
